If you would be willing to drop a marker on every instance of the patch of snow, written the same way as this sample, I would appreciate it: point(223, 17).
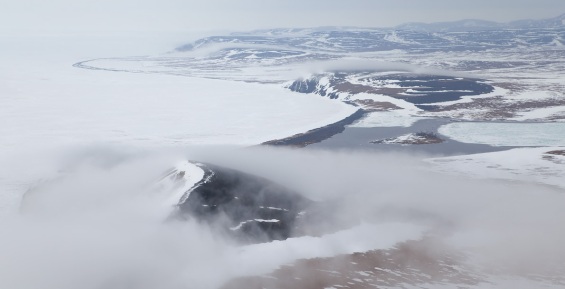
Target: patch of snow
point(180, 181)
point(273, 208)
point(251, 221)
point(394, 37)
point(387, 119)
point(540, 113)
point(404, 140)
point(556, 42)
point(357, 280)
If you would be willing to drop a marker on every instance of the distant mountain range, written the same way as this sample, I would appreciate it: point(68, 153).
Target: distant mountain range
point(322, 43)
point(474, 25)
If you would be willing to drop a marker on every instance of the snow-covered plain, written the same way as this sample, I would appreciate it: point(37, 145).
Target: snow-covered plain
point(62, 104)
point(88, 106)
point(529, 165)
point(45, 103)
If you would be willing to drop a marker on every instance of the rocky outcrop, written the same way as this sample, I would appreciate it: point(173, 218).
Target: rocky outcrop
point(249, 208)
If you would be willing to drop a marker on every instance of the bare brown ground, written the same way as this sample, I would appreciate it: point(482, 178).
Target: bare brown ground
point(499, 108)
point(556, 152)
point(412, 262)
point(555, 156)
point(359, 88)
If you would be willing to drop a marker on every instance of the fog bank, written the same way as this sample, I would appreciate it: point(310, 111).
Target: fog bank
point(98, 228)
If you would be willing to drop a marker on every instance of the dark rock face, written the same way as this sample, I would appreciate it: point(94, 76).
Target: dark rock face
point(311, 86)
point(420, 89)
point(318, 134)
point(304, 86)
point(250, 208)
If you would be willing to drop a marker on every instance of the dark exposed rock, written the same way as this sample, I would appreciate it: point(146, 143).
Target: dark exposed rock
point(312, 85)
point(304, 86)
point(318, 134)
point(555, 156)
point(419, 89)
point(247, 207)
point(557, 152)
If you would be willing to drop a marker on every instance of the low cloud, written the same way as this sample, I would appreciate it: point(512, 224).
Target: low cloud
point(364, 65)
point(104, 232)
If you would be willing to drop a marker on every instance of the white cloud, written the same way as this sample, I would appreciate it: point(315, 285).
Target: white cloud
point(117, 243)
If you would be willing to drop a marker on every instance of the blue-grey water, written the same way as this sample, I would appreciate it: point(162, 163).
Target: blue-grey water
point(360, 139)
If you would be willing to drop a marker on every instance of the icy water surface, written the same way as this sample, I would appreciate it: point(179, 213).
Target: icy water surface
point(507, 133)
point(361, 137)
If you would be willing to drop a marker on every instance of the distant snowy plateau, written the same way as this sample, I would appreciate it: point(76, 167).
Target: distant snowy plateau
point(498, 85)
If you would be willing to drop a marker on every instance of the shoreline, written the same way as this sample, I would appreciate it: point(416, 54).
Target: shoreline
point(340, 135)
point(318, 134)
point(361, 138)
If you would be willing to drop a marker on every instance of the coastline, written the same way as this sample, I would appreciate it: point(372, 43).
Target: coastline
point(362, 138)
point(340, 135)
point(318, 134)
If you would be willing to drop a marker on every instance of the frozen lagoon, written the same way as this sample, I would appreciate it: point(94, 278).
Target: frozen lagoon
point(506, 133)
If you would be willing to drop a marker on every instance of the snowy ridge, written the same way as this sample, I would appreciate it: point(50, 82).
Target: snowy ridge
point(179, 182)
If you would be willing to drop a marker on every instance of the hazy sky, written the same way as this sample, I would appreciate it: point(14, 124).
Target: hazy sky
point(18, 16)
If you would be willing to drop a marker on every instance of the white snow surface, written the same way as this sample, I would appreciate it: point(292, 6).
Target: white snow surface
point(45, 103)
point(173, 187)
point(80, 106)
point(395, 118)
point(44, 99)
point(522, 164)
point(540, 113)
point(394, 37)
